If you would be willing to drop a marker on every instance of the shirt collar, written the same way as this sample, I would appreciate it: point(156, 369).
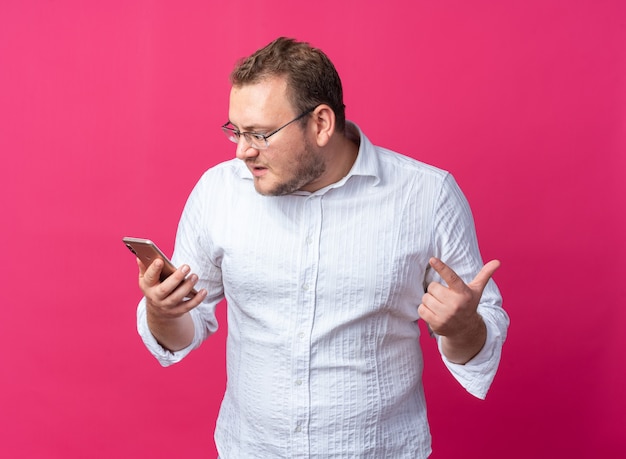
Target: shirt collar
point(367, 161)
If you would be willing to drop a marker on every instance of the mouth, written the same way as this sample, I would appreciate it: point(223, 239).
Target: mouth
point(257, 170)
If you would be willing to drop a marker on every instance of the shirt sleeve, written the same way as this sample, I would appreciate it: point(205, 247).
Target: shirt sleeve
point(192, 247)
point(455, 243)
point(477, 375)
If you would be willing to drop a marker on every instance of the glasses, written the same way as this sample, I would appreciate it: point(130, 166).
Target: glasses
point(254, 139)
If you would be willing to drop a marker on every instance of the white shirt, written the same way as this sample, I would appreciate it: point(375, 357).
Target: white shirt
point(323, 354)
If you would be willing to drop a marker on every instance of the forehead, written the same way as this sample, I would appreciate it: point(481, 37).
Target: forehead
point(263, 103)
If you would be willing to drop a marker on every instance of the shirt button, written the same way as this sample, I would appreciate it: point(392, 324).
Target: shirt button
point(309, 240)
point(298, 382)
point(301, 335)
point(305, 287)
point(298, 429)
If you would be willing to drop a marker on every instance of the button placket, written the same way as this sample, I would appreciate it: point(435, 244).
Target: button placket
point(311, 227)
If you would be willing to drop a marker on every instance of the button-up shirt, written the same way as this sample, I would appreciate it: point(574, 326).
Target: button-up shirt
point(322, 290)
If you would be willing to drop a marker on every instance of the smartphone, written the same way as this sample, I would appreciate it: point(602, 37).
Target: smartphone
point(147, 251)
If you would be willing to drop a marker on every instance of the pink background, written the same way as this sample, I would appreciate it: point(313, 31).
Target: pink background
point(110, 111)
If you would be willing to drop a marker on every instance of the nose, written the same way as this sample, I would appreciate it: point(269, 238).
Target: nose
point(244, 150)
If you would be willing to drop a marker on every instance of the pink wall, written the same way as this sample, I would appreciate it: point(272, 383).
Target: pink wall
point(109, 112)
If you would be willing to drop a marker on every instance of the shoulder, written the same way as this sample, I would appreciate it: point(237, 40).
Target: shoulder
point(218, 185)
point(393, 167)
point(399, 168)
point(227, 170)
point(397, 160)
point(223, 176)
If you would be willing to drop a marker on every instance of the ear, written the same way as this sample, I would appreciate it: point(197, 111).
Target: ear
point(324, 122)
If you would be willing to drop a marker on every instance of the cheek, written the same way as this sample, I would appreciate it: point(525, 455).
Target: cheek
point(284, 160)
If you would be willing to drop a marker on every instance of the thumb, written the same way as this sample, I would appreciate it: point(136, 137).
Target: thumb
point(480, 281)
point(150, 275)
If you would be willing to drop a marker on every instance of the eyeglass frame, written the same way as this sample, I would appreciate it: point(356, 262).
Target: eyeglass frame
point(234, 134)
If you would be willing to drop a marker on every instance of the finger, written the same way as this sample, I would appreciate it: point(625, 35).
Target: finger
point(142, 267)
point(196, 299)
point(483, 276)
point(185, 305)
point(152, 273)
point(430, 300)
point(430, 315)
point(451, 278)
point(425, 313)
point(436, 291)
point(177, 278)
point(187, 285)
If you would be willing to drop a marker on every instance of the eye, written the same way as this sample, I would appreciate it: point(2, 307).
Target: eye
point(257, 136)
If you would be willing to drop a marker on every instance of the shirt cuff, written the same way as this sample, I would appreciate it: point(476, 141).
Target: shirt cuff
point(164, 356)
point(477, 375)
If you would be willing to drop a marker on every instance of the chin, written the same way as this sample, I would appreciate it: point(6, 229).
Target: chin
point(275, 190)
point(271, 190)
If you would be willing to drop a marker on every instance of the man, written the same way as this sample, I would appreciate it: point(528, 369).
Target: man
point(328, 250)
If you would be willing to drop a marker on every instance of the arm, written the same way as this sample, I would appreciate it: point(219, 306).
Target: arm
point(473, 355)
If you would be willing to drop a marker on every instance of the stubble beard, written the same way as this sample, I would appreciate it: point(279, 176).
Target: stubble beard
point(309, 166)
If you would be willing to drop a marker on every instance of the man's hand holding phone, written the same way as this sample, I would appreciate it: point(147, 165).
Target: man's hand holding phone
point(168, 303)
point(169, 297)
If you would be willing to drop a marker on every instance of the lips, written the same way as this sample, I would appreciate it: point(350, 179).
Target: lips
point(257, 170)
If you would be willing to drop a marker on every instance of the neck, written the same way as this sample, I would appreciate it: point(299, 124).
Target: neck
point(339, 155)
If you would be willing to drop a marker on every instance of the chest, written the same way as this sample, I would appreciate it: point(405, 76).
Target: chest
point(364, 248)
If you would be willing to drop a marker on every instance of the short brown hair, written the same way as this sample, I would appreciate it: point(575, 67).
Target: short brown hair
point(311, 77)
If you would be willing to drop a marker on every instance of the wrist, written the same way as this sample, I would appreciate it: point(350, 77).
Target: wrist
point(465, 345)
